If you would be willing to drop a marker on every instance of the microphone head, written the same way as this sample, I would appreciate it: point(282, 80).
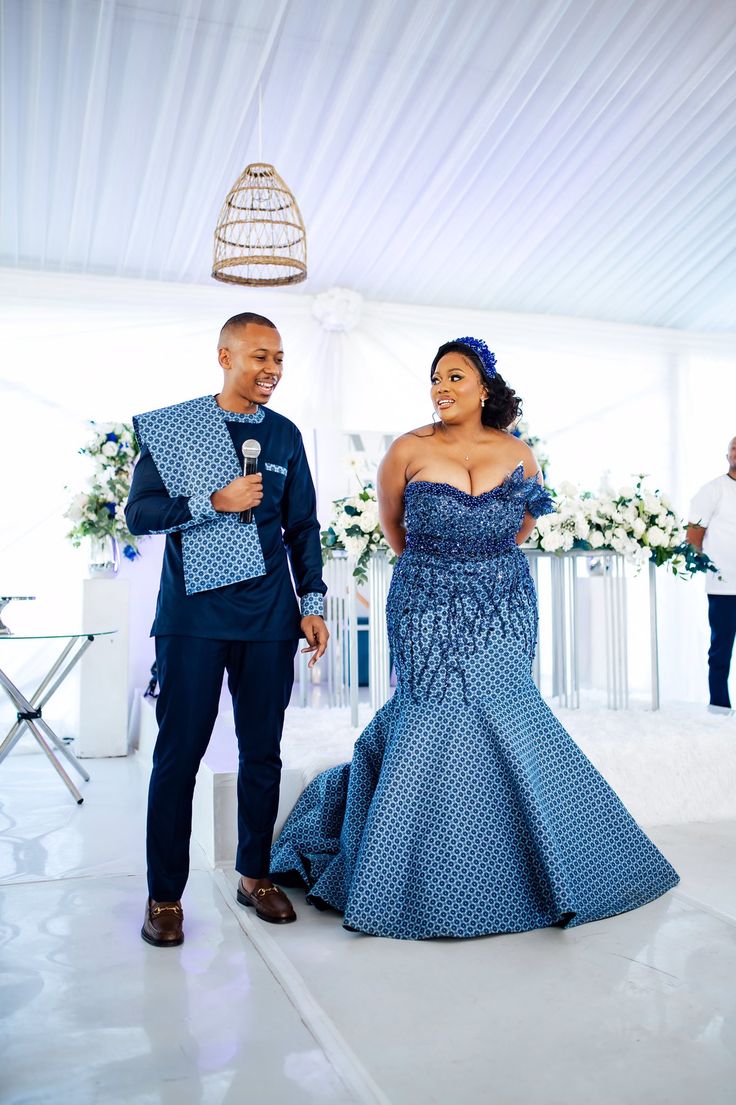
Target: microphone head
point(251, 449)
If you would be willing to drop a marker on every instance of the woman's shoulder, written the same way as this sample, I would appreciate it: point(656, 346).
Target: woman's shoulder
point(407, 443)
point(518, 452)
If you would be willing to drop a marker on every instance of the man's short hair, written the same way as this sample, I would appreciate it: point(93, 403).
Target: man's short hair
point(243, 319)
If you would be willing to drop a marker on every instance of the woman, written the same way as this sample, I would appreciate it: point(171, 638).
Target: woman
point(467, 809)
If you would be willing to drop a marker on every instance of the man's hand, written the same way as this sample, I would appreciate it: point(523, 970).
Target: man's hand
point(244, 493)
point(317, 634)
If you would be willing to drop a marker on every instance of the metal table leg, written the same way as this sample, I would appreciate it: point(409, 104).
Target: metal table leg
point(653, 634)
point(379, 679)
point(30, 714)
point(353, 643)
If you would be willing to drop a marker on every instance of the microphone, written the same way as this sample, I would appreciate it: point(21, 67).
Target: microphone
point(251, 451)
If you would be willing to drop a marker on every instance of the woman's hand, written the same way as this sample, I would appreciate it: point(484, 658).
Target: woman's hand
point(244, 493)
point(317, 635)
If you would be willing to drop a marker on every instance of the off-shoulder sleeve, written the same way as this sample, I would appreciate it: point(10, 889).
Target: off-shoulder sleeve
point(538, 499)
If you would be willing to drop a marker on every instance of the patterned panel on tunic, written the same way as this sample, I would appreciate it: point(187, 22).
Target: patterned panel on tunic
point(194, 454)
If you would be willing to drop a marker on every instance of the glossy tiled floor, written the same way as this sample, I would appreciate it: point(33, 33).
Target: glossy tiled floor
point(637, 1009)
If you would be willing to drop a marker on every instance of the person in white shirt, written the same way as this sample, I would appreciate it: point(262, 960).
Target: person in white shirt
point(712, 529)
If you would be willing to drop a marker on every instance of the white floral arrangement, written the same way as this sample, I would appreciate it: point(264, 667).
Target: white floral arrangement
point(356, 530)
point(634, 521)
point(100, 510)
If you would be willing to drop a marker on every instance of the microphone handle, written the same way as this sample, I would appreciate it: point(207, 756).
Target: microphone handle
point(250, 467)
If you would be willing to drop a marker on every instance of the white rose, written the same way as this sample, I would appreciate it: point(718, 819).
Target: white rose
point(109, 449)
point(651, 503)
point(626, 492)
point(568, 540)
point(656, 537)
point(552, 541)
point(596, 538)
point(77, 508)
point(630, 514)
point(582, 528)
point(545, 523)
point(639, 527)
point(354, 546)
point(369, 517)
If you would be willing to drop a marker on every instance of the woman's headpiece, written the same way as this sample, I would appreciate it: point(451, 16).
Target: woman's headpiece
point(479, 347)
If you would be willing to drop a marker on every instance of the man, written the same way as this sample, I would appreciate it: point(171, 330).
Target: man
point(712, 529)
point(226, 603)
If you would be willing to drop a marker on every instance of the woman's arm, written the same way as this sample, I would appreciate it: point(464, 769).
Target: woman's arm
point(526, 528)
point(391, 485)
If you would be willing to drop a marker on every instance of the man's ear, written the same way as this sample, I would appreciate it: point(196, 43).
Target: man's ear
point(223, 356)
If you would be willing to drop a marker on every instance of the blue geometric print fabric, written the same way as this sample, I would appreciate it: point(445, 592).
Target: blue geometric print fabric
point(194, 454)
point(467, 808)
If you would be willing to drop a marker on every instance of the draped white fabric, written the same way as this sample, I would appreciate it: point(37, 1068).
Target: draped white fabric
point(570, 157)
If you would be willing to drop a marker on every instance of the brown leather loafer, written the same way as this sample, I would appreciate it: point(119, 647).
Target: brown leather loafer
point(163, 924)
point(269, 902)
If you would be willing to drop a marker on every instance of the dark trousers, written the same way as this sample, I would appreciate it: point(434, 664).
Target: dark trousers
point(722, 618)
point(190, 670)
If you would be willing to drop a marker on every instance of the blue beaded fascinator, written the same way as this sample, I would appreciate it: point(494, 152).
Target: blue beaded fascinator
point(481, 350)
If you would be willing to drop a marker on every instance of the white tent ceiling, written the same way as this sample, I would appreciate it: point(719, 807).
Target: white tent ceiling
point(573, 157)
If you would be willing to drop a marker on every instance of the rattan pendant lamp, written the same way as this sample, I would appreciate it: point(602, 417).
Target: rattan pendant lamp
point(260, 238)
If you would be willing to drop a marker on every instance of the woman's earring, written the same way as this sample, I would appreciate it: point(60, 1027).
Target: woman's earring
point(436, 418)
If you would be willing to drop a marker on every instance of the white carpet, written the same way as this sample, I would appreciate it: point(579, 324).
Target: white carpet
point(673, 766)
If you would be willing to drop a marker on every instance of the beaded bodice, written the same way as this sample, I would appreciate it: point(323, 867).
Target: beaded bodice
point(462, 581)
point(444, 520)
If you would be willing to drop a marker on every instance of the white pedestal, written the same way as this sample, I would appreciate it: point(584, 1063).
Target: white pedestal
point(215, 804)
point(103, 680)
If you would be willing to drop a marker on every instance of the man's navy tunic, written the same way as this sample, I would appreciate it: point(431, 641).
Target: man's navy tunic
point(263, 608)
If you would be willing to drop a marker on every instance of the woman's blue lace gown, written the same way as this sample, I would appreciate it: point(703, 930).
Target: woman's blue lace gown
point(467, 809)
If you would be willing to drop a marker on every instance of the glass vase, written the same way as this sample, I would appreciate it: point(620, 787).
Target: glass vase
point(104, 557)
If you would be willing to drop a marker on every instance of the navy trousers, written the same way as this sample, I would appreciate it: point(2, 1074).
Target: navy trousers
point(190, 670)
point(722, 618)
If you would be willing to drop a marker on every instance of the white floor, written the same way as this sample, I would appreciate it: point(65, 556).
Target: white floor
point(637, 1009)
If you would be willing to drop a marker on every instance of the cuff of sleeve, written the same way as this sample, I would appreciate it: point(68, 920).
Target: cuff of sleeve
point(201, 508)
point(312, 604)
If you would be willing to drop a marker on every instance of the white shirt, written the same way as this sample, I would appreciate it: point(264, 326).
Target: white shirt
point(714, 507)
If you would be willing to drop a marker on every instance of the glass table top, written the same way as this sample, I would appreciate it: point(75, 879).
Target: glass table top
point(52, 634)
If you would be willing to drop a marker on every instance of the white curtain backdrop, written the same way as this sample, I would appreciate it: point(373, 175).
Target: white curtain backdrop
point(545, 156)
point(607, 399)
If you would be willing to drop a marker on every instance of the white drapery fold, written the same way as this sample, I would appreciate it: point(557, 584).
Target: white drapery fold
point(552, 156)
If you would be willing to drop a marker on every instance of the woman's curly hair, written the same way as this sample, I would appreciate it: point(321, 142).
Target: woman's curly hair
point(503, 405)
